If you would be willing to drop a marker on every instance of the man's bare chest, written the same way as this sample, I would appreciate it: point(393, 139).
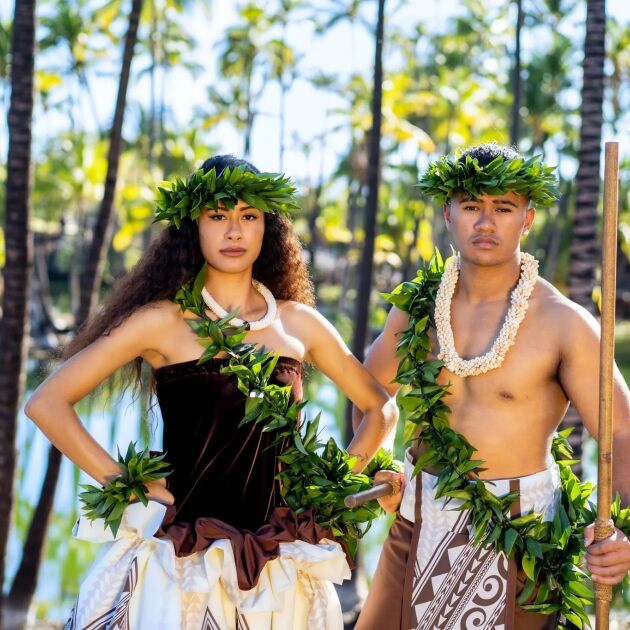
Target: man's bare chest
point(529, 370)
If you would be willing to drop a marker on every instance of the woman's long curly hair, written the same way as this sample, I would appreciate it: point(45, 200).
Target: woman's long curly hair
point(174, 258)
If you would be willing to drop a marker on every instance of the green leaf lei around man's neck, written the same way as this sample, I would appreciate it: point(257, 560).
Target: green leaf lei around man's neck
point(548, 552)
point(268, 192)
point(529, 178)
point(314, 474)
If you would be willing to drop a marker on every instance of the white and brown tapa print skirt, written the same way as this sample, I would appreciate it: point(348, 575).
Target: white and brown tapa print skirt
point(453, 584)
point(431, 576)
point(138, 583)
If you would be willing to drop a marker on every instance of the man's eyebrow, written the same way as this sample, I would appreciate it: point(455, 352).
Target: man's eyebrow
point(505, 202)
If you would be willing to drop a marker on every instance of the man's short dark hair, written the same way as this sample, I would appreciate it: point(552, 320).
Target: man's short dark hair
point(485, 153)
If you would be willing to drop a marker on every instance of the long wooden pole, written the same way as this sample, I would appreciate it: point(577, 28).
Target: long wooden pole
point(603, 526)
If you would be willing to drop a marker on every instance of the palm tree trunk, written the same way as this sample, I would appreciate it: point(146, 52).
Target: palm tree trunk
point(26, 578)
point(371, 208)
point(91, 278)
point(584, 250)
point(517, 91)
point(584, 253)
point(14, 326)
point(367, 259)
point(313, 231)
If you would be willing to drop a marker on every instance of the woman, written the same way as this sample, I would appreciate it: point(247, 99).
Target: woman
point(216, 546)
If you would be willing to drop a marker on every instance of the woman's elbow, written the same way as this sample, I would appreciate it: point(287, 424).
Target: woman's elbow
point(386, 410)
point(390, 413)
point(39, 406)
point(33, 406)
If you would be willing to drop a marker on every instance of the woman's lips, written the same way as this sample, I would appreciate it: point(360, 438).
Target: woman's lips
point(233, 251)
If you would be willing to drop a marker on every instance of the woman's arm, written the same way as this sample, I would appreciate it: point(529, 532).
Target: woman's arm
point(327, 351)
point(51, 405)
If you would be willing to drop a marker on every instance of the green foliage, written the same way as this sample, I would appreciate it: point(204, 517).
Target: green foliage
point(314, 475)
point(530, 178)
point(548, 552)
point(110, 501)
point(269, 192)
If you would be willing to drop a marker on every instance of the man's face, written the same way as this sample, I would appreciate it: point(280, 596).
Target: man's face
point(488, 231)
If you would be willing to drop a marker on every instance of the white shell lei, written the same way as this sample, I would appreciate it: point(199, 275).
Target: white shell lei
point(259, 324)
point(519, 301)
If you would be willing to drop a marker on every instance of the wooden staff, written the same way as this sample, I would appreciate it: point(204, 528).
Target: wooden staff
point(375, 492)
point(603, 527)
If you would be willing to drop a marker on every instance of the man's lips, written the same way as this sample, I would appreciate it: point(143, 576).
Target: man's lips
point(232, 251)
point(485, 241)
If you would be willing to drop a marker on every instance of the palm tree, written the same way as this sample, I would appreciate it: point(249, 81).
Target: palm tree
point(14, 326)
point(283, 61)
point(517, 95)
point(584, 249)
point(25, 581)
point(95, 261)
point(349, 594)
point(5, 60)
point(371, 209)
point(239, 60)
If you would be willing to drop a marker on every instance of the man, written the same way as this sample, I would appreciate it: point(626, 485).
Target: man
point(515, 352)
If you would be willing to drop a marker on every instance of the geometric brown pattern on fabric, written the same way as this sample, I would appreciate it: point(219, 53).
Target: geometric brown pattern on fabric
point(209, 622)
point(241, 623)
point(462, 586)
point(117, 618)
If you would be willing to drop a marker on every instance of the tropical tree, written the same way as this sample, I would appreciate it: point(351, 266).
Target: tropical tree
point(5, 63)
point(584, 248)
point(284, 63)
point(73, 54)
point(14, 326)
point(371, 209)
point(241, 66)
point(101, 232)
point(517, 94)
point(26, 577)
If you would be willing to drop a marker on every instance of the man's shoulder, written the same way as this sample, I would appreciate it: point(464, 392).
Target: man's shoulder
point(557, 310)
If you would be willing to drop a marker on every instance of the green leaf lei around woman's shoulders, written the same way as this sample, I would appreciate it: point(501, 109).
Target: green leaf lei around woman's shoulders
point(268, 192)
point(548, 552)
point(314, 474)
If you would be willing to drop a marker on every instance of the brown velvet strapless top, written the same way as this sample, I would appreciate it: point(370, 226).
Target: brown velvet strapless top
point(223, 474)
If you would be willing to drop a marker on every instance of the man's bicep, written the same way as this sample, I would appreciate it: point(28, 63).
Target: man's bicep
point(382, 363)
point(382, 360)
point(579, 377)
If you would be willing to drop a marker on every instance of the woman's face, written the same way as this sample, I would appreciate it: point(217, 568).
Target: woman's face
point(231, 239)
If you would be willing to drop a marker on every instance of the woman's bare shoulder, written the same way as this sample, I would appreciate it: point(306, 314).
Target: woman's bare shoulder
point(305, 321)
point(160, 312)
point(291, 308)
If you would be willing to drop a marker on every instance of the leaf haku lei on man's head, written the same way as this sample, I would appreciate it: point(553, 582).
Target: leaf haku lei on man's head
point(268, 192)
point(530, 178)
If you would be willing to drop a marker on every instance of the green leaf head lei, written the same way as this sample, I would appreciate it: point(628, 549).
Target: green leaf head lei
point(268, 192)
point(507, 171)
